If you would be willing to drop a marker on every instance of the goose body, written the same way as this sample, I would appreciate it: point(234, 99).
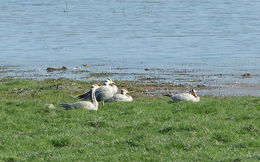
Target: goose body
point(80, 104)
point(122, 97)
point(103, 93)
point(114, 87)
point(93, 105)
point(192, 96)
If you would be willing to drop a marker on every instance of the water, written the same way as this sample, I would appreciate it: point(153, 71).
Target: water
point(204, 37)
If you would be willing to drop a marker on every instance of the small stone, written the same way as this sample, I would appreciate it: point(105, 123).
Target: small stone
point(49, 106)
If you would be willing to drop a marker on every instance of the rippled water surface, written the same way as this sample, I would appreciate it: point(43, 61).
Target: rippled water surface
point(205, 37)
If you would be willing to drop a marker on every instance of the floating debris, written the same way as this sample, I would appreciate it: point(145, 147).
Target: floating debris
point(246, 75)
point(157, 69)
point(87, 66)
point(119, 68)
point(151, 79)
point(201, 86)
point(6, 71)
point(50, 69)
point(79, 71)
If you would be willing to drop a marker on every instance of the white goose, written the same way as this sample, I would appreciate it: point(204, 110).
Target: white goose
point(115, 89)
point(192, 96)
point(123, 97)
point(103, 93)
point(93, 105)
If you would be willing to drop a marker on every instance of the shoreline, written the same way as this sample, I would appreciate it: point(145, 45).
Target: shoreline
point(153, 80)
point(136, 88)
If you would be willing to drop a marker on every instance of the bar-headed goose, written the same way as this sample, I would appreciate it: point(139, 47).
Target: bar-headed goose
point(93, 105)
point(122, 96)
point(192, 96)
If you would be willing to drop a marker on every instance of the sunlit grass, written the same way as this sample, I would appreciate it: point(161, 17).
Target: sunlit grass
point(148, 129)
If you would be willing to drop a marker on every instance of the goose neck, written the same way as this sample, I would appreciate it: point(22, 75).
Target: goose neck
point(93, 98)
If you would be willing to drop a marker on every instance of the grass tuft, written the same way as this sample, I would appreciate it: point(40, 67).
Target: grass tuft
point(222, 137)
point(60, 142)
point(179, 145)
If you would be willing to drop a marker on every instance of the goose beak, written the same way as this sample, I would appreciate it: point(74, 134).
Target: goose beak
point(111, 82)
point(95, 86)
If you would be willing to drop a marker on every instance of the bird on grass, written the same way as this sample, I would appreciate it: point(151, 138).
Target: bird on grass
point(93, 105)
point(103, 93)
point(122, 96)
point(192, 96)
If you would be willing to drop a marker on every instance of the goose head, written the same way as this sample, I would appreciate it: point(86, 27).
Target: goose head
point(109, 79)
point(194, 92)
point(109, 82)
point(95, 86)
point(124, 91)
point(169, 94)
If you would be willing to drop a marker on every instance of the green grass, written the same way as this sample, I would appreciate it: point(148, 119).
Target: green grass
point(148, 129)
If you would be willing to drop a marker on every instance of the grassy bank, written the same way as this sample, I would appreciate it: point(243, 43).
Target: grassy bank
point(148, 129)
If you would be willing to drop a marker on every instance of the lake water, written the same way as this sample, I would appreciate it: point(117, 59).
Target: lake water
point(219, 39)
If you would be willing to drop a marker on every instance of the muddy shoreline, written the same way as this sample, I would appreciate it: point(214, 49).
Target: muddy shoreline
point(152, 81)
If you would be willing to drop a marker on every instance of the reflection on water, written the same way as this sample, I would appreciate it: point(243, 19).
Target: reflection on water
point(206, 37)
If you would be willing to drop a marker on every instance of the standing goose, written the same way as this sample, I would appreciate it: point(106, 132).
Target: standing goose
point(192, 96)
point(103, 93)
point(122, 96)
point(93, 105)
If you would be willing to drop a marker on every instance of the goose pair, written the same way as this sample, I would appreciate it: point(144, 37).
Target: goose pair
point(103, 93)
point(192, 96)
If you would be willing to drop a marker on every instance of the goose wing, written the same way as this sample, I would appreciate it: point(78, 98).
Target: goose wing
point(104, 93)
point(86, 95)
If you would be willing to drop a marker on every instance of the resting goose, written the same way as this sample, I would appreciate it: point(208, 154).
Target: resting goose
point(123, 97)
point(93, 105)
point(192, 96)
point(113, 86)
